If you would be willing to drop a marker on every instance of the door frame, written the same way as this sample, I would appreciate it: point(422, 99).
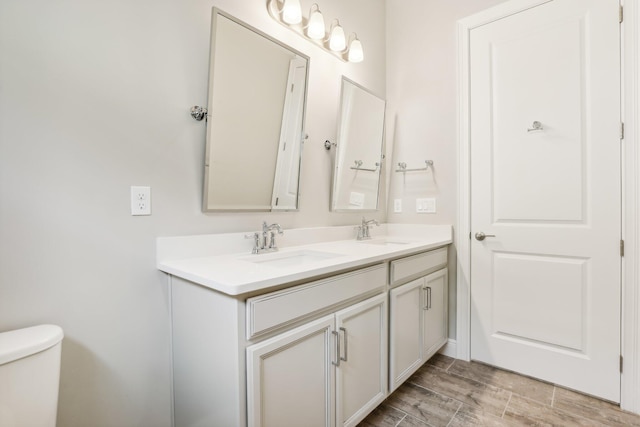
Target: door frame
point(630, 164)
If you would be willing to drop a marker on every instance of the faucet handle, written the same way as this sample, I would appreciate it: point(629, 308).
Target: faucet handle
point(256, 241)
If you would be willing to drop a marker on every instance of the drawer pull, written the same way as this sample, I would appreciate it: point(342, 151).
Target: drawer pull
point(428, 289)
point(346, 343)
point(338, 358)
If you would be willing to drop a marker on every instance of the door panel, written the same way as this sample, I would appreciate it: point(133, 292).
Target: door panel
point(361, 377)
point(435, 308)
point(546, 289)
point(524, 284)
point(548, 162)
point(405, 331)
point(290, 376)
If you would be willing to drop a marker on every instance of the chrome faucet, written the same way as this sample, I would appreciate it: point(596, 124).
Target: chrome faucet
point(363, 229)
point(265, 241)
point(270, 231)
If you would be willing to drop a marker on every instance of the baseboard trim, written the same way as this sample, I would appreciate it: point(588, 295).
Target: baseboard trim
point(450, 348)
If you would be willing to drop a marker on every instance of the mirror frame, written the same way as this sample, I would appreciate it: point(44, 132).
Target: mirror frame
point(215, 14)
point(339, 142)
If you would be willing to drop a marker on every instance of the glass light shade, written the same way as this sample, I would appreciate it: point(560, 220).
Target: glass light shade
point(356, 54)
point(315, 29)
point(291, 12)
point(337, 41)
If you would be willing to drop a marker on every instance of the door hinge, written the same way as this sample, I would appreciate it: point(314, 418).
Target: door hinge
point(621, 14)
point(621, 363)
point(621, 247)
point(621, 130)
point(469, 235)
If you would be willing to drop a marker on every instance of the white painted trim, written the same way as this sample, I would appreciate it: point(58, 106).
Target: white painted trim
point(630, 386)
point(450, 349)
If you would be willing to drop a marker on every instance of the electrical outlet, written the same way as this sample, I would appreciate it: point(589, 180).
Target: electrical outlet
point(140, 200)
point(397, 205)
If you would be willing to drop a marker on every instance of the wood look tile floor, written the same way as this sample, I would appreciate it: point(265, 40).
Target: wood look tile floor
point(446, 392)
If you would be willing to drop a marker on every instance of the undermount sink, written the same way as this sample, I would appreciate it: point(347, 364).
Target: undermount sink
point(385, 241)
point(291, 259)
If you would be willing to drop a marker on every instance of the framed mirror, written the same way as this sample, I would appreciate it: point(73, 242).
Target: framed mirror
point(255, 125)
point(358, 163)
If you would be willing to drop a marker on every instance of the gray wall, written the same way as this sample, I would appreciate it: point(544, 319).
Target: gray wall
point(421, 110)
point(94, 98)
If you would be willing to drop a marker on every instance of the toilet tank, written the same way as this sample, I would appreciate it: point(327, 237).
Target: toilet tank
point(30, 376)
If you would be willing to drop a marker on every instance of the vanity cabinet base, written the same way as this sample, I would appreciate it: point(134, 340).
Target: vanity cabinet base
point(324, 353)
point(208, 368)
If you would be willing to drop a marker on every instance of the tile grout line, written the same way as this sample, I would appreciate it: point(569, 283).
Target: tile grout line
point(507, 405)
point(450, 365)
point(553, 397)
point(432, 391)
point(401, 419)
point(492, 384)
point(454, 415)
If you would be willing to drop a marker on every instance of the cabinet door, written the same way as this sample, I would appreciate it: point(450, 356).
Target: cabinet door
point(405, 331)
point(435, 301)
point(290, 378)
point(361, 377)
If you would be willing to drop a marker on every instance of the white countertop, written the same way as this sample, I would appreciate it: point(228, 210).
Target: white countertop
point(203, 259)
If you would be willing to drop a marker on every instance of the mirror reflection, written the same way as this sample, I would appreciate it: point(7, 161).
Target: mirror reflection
point(358, 162)
point(257, 93)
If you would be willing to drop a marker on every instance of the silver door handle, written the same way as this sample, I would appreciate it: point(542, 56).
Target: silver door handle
point(481, 236)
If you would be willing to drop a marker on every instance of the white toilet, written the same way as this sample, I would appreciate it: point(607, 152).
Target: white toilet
point(30, 376)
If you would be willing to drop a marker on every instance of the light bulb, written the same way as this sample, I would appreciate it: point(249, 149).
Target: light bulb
point(291, 12)
point(315, 28)
point(356, 54)
point(337, 41)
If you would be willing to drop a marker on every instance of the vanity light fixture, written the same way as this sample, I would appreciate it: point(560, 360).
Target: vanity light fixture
point(288, 13)
point(315, 27)
point(337, 41)
point(356, 54)
point(292, 12)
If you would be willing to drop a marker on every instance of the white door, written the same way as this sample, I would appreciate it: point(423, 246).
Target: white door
point(545, 291)
point(285, 186)
point(290, 378)
point(361, 374)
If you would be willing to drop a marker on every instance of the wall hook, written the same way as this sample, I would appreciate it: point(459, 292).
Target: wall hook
point(536, 126)
point(198, 112)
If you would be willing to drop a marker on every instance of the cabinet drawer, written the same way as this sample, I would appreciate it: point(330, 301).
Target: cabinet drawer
point(414, 266)
point(271, 311)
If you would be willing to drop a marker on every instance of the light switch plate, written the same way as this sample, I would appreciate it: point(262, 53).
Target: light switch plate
point(426, 205)
point(397, 205)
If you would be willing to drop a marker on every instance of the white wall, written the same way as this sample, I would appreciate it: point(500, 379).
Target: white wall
point(94, 98)
point(421, 110)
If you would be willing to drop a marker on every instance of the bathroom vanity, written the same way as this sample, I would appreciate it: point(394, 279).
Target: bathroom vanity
point(318, 333)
